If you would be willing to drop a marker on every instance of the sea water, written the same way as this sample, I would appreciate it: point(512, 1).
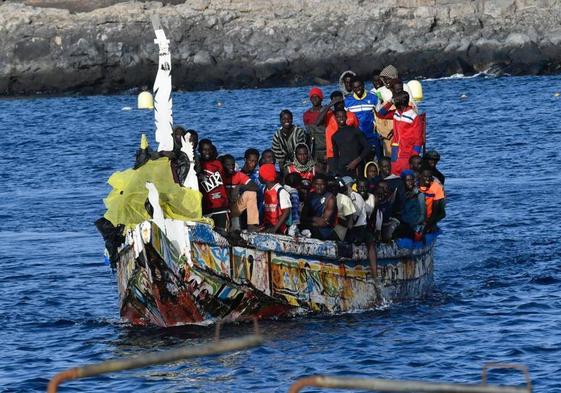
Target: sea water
point(497, 294)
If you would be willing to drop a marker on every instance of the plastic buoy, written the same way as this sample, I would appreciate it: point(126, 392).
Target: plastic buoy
point(463, 96)
point(416, 90)
point(557, 94)
point(145, 100)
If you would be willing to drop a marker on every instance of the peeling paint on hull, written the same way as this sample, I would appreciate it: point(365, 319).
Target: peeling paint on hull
point(200, 277)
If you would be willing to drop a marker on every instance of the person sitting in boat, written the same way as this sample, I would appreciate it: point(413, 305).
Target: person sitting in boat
point(332, 127)
point(407, 137)
point(372, 175)
point(285, 140)
point(293, 184)
point(345, 207)
point(251, 160)
point(350, 147)
point(435, 201)
point(385, 200)
point(277, 205)
point(393, 181)
point(303, 165)
point(358, 232)
point(267, 157)
point(319, 213)
point(374, 216)
point(242, 192)
point(430, 159)
point(412, 213)
point(362, 103)
point(211, 185)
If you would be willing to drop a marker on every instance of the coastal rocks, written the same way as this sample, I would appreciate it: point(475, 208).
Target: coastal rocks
point(51, 46)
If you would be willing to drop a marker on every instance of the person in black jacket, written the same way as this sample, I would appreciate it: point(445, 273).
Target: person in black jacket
point(350, 147)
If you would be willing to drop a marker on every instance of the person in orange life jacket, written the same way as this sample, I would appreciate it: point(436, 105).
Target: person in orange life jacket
point(303, 165)
point(311, 115)
point(407, 132)
point(435, 201)
point(277, 206)
point(242, 192)
point(286, 138)
point(319, 213)
point(362, 104)
point(430, 159)
point(332, 126)
point(350, 147)
point(215, 197)
point(412, 215)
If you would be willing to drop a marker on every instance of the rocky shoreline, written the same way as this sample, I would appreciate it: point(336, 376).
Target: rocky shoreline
point(56, 47)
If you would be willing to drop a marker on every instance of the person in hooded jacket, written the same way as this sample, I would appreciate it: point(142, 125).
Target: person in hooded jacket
point(345, 80)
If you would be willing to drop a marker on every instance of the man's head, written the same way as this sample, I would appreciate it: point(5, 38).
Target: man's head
point(385, 167)
point(267, 157)
point(371, 170)
point(293, 180)
point(320, 183)
point(415, 163)
point(251, 157)
point(408, 179)
point(431, 158)
point(388, 73)
point(396, 86)
point(286, 119)
point(358, 86)
point(316, 96)
point(207, 150)
point(382, 190)
point(268, 173)
point(362, 188)
point(341, 117)
point(302, 153)
point(401, 100)
point(377, 82)
point(426, 177)
point(347, 79)
point(229, 164)
point(338, 95)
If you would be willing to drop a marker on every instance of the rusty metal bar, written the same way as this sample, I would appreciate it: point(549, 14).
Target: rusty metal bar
point(519, 367)
point(384, 385)
point(154, 358)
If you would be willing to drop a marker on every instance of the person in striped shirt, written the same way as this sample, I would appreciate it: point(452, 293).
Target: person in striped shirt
point(285, 140)
point(362, 104)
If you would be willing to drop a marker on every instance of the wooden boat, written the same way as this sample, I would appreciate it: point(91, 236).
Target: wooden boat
point(198, 276)
point(173, 272)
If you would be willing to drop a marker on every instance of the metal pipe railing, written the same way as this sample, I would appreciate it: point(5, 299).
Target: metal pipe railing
point(154, 358)
point(383, 385)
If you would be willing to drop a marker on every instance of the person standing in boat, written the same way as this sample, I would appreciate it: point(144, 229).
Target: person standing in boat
point(277, 205)
point(430, 159)
point(338, 103)
point(285, 140)
point(362, 104)
point(319, 213)
point(303, 165)
point(242, 193)
point(413, 210)
point(211, 182)
point(345, 82)
point(350, 148)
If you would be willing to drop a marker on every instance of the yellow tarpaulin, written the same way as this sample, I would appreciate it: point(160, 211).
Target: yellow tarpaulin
point(125, 203)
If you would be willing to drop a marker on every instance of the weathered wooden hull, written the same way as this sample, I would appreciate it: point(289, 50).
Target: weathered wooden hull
point(198, 277)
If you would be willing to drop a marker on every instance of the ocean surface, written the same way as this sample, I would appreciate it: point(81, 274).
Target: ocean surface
point(497, 294)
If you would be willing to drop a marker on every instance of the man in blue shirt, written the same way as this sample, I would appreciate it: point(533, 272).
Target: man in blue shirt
point(362, 104)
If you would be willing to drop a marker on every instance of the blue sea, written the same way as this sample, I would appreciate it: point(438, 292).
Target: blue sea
point(497, 294)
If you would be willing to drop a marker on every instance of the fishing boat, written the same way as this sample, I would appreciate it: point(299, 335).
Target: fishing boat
point(174, 272)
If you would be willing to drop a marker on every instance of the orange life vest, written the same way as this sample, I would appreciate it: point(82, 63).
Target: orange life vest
point(271, 207)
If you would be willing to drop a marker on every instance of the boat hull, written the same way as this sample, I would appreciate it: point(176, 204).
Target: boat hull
point(180, 273)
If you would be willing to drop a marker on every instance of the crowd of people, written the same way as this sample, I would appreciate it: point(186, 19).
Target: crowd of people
point(357, 170)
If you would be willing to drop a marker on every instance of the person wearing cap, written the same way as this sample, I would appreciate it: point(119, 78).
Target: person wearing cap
point(430, 159)
point(362, 104)
point(388, 76)
point(277, 205)
point(285, 140)
point(311, 115)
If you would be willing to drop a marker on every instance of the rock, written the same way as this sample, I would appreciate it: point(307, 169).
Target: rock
point(108, 45)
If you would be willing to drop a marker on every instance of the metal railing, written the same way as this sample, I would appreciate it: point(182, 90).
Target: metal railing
point(154, 358)
point(384, 385)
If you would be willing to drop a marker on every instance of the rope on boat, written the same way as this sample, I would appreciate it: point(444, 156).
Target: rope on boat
point(150, 359)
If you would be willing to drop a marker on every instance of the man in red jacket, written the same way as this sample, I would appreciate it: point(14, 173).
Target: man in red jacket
point(407, 132)
point(211, 184)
